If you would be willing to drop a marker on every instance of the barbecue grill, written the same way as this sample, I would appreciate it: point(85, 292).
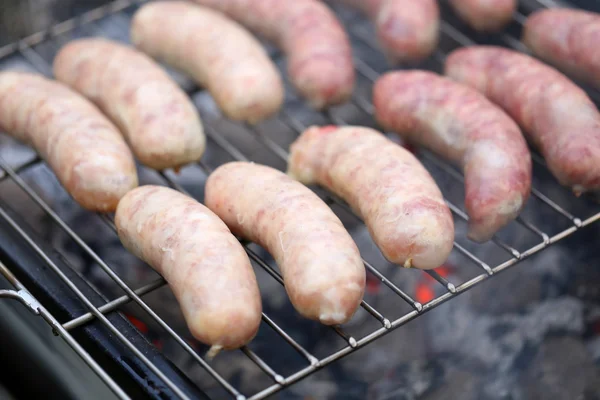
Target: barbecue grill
point(48, 283)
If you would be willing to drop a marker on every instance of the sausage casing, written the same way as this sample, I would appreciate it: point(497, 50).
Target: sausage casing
point(84, 149)
point(485, 15)
point(555, 114)
point(319, 53)
point(460, 124)
point(407, 30)
point(321, 266)
point(567, 39)
point(385, 184)
point(159, 121)
point(217, 52)
point(204, 264)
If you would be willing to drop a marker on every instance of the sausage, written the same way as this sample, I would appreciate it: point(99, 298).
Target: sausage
point(321, 266)
point(319, 53)
point(157, 118)
point(556, 115)
point(84, 149)
point(385, 185)
point(204, 264)
point(461, 125)
point(216, 52)
point(408, 30)
point(567, 39)
point(485, 15)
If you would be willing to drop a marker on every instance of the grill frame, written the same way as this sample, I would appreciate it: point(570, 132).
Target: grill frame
point(99, 314)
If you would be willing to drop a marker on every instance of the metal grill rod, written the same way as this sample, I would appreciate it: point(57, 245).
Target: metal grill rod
point(89, 304)
point(114, 304)
point(57, 327)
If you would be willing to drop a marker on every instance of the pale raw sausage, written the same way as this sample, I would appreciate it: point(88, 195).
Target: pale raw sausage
point(84, 149)
point(204, 264)
point(217, 52)
point(557, 116)
point(463, 126)
point(156, 116)
point(408, 30)
point(319, 53)
point(485, 15)
point(321, 266)
point(568, 39)
point(383, 183)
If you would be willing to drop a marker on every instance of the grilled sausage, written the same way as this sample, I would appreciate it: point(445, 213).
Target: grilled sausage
point(204, 264)
point(485, 15)
point(320, 263)
point(84, 149)
point(157, 118)
point(558, 117)
point(460, 124)
point(218, 53)
point(408, 30)
point(384, 184)
point(320, 56)
point(567, 39)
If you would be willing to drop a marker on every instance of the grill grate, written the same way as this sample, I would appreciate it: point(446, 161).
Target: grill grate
point(26, 48)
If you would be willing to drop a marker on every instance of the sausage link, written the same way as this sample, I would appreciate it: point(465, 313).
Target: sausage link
point(408, 30)
point(485, 15)
point(567, 39)
point(204, 264)
point(84, 149)
point(557, 116)
point(320, 263)
point(384, 184)
point(320, 56)
point(460, 124)
point(217, 52)
point(156, 116)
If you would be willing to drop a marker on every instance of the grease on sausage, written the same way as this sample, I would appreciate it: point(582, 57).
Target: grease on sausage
point(385, 184)
point(320, 263)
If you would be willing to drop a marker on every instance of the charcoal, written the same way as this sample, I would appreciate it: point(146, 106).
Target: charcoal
point(562, 369)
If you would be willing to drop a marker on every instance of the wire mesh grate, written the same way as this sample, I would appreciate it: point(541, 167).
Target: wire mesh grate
point(215, 133)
